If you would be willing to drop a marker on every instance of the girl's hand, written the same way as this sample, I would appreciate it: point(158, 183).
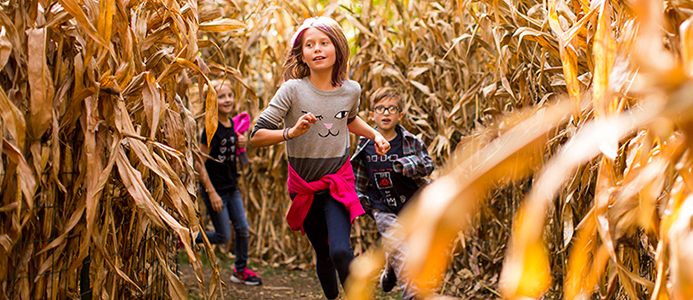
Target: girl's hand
point(381, 144)
point(302, 125)
point(216, 202)
point(242, 140)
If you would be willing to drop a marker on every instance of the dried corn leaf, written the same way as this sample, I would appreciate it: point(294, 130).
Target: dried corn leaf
point(686, 31)
point(27, 182)
point(5, 47)
point(604, 51)
point(434, 221)
point(74, 9)
point(154, 106)
point(587, 260)
point(221, 25)
point(581, 148)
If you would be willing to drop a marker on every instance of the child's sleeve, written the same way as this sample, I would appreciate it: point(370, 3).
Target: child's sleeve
point(276, 110)
point(203, 138)
point(361, 180)
point(417, 165)
point(360, 176)
point(354, 110)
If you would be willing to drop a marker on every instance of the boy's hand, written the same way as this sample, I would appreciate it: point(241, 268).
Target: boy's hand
point(302, 125)
point(381, 144)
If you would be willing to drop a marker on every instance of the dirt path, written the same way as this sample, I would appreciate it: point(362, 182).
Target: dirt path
point(277, 283)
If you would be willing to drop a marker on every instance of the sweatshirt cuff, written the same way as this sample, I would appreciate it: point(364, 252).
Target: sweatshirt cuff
point(355, 210)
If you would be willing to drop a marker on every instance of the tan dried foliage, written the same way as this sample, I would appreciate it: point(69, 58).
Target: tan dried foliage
point(593, 180)
point(98, 148)
point(560, 129)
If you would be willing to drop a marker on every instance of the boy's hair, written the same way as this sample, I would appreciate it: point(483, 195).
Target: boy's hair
point(295, 68)
point(385, 93)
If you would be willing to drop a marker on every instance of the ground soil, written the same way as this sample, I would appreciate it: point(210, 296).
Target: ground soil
point(277, 283)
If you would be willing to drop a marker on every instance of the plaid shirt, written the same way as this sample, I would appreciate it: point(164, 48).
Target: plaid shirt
point(416, 164)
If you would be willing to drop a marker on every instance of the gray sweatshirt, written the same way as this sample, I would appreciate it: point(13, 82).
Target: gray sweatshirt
point(324, 148)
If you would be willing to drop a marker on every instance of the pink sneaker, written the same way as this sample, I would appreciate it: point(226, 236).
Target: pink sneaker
point(246, 277)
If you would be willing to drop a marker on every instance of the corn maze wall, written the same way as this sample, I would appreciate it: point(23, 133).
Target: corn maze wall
point(97, 148)
point(32, 271)
point(559, 128)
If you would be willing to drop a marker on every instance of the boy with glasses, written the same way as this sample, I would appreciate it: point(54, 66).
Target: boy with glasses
point(384, 183)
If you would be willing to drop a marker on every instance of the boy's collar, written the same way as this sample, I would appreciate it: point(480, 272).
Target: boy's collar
point(398, 131)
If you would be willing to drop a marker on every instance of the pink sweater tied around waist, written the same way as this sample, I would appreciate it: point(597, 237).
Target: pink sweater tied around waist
point(341, 185)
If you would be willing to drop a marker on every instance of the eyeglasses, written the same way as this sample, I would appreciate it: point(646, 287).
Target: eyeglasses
point(381, 109)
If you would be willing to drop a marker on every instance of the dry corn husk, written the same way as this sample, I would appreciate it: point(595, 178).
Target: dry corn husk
point(559, 128)
point(97, 155)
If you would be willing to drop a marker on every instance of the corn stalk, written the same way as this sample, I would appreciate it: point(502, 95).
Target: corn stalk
point(97, 177)
point(579, 103)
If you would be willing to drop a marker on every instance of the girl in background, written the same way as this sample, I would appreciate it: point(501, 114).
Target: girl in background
point(219, 185)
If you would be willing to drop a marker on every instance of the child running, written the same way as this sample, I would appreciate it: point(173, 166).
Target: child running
point(219, 185)
point(386, 182)
point(318, 106)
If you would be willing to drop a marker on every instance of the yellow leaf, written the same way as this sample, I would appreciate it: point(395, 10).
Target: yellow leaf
point(107, 9)
point(603, 52)
point(587, 260)
point(73, 8)
point(222, 25)
point(526, 271)
point(569, 61)
point(686, 31)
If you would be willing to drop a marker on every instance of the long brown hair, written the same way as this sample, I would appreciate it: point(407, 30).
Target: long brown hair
point(295, 68)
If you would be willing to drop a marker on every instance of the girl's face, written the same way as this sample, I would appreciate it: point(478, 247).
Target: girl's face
point(225, 99)
point(318, 51)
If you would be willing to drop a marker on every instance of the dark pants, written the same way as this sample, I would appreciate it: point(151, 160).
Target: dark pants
point(328, 227)
point(233, 211)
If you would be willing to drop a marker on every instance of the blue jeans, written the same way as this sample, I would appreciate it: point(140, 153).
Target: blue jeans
point(328, 226)
point(233, 211)
point(395, 250)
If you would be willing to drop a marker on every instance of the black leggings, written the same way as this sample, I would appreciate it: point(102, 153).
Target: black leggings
point(328, 227)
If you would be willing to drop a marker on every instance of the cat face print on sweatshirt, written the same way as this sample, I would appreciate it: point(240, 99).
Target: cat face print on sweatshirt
point(325, 125)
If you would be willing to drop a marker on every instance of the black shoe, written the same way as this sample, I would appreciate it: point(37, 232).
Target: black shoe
point(388, 279)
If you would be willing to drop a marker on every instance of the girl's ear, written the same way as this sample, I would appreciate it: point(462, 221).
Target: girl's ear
point(371, 116)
